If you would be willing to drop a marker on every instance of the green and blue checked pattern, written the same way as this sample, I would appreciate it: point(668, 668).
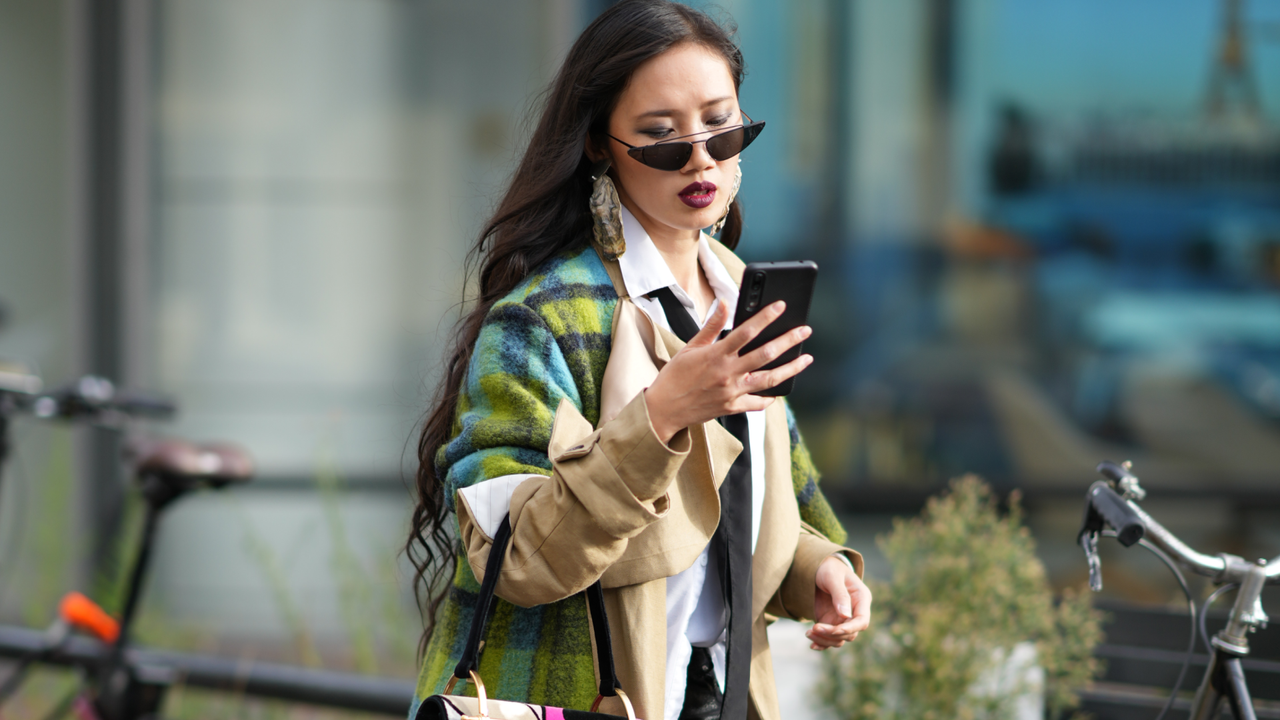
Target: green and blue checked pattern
point(548, 340)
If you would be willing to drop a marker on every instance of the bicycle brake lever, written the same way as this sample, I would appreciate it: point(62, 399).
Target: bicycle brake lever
point(1090, 529)
point(1089, 542)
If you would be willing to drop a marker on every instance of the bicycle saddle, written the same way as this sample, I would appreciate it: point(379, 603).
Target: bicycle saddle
point(183, 463)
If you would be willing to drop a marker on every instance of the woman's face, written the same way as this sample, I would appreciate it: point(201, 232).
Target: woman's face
point(685, 90)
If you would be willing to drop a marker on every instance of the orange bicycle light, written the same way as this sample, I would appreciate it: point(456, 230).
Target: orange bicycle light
point(82, 613)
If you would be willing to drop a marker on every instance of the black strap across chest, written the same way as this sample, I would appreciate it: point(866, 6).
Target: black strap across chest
point(678, 316)
point(732, 543)
point(732, 539)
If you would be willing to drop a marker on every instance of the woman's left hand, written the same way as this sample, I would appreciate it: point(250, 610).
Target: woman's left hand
point(842, 606)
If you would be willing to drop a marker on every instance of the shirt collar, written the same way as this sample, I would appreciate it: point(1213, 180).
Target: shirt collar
point(644, 270)
point(725, 288)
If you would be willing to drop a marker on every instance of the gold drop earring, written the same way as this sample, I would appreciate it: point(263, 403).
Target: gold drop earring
point(718, 225)
point(606, 212)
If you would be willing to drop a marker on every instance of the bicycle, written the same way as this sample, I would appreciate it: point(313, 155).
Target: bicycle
point(120, 681)
point(167, 470)
point(1113, 501)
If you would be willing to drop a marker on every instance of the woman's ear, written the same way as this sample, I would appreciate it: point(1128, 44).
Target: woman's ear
point(599, 168)
point(600, 161)
point(593, 152)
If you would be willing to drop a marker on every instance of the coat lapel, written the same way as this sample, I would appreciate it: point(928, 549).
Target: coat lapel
point(636, 585)
point(639, 349)
point(732, 263)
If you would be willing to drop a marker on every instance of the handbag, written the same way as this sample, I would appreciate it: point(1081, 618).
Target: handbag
point(458, 707)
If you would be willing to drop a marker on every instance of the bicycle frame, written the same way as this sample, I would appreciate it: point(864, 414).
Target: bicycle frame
point(1224, 678)
point(243, 676)
point(122, 681)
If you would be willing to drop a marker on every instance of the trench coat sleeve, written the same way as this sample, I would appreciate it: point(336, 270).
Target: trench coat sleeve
point(520, 412)
point(569, 527)
point(795, 598)
point(821, 534)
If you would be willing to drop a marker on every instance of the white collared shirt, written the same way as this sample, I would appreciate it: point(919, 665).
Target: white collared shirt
point(696, 613)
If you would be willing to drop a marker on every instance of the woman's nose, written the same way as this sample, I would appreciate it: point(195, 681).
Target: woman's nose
point(700, 159)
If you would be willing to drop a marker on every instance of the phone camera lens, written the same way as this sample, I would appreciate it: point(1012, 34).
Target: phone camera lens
point(756, 290)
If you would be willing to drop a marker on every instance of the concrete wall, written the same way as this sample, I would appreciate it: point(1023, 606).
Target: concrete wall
point(38, 290)
point(322, 168)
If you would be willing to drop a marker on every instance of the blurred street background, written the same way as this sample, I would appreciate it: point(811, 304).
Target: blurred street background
point(1048, 233)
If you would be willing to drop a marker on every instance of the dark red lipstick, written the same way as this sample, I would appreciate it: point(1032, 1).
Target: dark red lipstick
point(698, 195)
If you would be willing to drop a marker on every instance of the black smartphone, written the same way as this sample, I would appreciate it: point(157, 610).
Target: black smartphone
point(765, 283)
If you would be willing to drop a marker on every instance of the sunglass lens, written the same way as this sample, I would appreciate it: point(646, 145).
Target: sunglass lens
point(674, 155)
point(750, 133)
point(664, 156)
point(727, 144)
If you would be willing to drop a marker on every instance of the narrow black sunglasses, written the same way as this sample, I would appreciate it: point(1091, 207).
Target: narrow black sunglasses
point(674, 153)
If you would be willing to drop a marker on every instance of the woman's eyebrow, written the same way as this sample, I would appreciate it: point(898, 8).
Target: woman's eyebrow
point(669, 113)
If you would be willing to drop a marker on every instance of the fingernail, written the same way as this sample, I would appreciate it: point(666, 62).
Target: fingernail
point(845, 611)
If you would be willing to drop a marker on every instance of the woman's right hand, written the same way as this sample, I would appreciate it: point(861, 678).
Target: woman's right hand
point(708, 379)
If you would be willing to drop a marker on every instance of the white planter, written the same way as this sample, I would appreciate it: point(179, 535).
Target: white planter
point(1016, 675)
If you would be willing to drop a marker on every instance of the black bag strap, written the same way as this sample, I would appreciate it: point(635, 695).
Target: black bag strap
point(678, 317)
point(604, 643)
point(487, 601)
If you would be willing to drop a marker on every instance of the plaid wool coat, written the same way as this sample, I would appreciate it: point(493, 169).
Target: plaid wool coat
point(548, 341)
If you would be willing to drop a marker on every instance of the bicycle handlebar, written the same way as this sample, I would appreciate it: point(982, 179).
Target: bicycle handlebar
point(1113, 471)
point(1223, 567)
point(1129, 526)
point(1208, 565)
point(1121, 512)
point(136, 404)
point(95, 399)
point(18, 381)
point(1106, 506)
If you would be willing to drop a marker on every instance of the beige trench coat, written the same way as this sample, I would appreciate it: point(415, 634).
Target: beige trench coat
point(623, 507)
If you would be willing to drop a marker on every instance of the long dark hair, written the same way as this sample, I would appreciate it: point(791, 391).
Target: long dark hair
point(544, 211)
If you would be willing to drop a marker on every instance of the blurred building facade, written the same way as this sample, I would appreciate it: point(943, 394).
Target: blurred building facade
point(261, 210)
point(1048, 234)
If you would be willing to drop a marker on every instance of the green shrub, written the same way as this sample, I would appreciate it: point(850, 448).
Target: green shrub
point(967, 591)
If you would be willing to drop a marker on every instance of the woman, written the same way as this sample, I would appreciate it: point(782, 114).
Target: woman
point(572, 406)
